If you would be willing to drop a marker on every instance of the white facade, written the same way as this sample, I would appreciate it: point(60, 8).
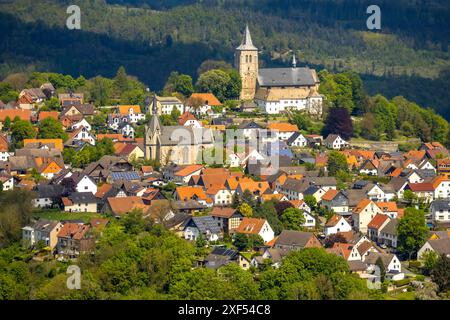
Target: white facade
point(266, 232)
point(81, 207)
point(275, 107)
point(310, 221)
point(167, 107)
point(4, 156)
point(442, 191)
point(341, 226)
point(300, 141)
point(82, 123)
point(336, 144)
point(85, 135)
point(86, 184)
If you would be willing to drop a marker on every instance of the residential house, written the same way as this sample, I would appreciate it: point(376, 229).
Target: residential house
point(297, 140)
point(440, 211)
point(334, 141)
point(181, 173)
point(80, 135)
point(249, 129)
point(82, 123)
point(164, 105)
point(391, 264)
point(256, 227)
point(192, 193)
point(296, 240)
point(202, 103)
point(205, 226)
point(229, 218)
point(388, 234)
point(119, 206)
point(438, 246)
point(283, 130)
point(48, 195)
point(45, 231)
point(220, 257)
point(336, 201)
point(189, 120)
point(80, 202)
point(80, 182)
point(336, 224)
point(375, 225)
point(363, 213)
point(133, 112)
point(73, 239)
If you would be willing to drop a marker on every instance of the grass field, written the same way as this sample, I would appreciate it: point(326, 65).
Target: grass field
point(61, 215)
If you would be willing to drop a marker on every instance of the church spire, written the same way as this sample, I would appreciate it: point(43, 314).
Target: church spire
point(294, 61)
point(247, 43)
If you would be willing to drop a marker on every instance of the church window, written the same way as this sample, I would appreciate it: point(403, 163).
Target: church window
point(250, 59)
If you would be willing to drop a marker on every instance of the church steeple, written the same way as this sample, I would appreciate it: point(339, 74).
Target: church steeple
point(246, 62)
point(246, 43)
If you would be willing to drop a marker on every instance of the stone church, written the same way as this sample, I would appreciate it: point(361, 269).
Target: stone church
point(276, 90)
point(175, 144)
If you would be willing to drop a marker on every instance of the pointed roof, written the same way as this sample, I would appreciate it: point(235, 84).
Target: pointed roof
point(246, 43)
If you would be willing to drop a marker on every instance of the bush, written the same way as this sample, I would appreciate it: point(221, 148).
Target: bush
point(420, 278)
point(403, 282)
point(415, 264)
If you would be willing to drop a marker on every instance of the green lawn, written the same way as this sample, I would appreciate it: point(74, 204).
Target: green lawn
point(61, 215)
point(402, 296)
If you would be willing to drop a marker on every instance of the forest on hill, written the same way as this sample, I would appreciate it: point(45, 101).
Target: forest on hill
point(152, 38)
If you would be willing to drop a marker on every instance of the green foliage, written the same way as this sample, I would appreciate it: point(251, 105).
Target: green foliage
point(429, 260)
point(181, 83)
point(52, 104)
point(20, 130)
point(50, 128)
point(292, 219)
point(412, 231)
point(14, 214)
point(246, 210)
point(7, 93)
point(89, 153)
point(245, 242)
point(268, 211)
point(224, 85)
point(336, 162)
point(440, 274)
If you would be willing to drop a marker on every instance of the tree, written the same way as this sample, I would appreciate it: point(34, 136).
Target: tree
point(409, 196)
point(339, 122)
point(101, 90)
point(429, 260)
point(336, 162)
point(441, 273)
point(293, 219)
point(311, 201)
point(412, 231)
point(382, 268)
point(267, 211)
point(7, 93)
point(20, 130)
point(7, 124)
point(121, 80)
point(248, 198)
point(50, 128)
point(214, 81)
point(235, 201)
point(245, 242)
point(246, 210)
point(181, 83)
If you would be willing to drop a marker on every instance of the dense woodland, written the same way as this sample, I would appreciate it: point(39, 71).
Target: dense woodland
point(152, 38)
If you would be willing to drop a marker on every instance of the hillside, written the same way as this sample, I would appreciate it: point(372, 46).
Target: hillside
point(151, 38)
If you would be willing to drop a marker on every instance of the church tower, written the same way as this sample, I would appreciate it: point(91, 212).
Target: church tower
point(246, 62)
point(152, 139)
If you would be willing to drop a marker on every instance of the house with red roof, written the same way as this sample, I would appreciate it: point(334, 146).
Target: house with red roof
point(375, 225)
point(187, 119)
